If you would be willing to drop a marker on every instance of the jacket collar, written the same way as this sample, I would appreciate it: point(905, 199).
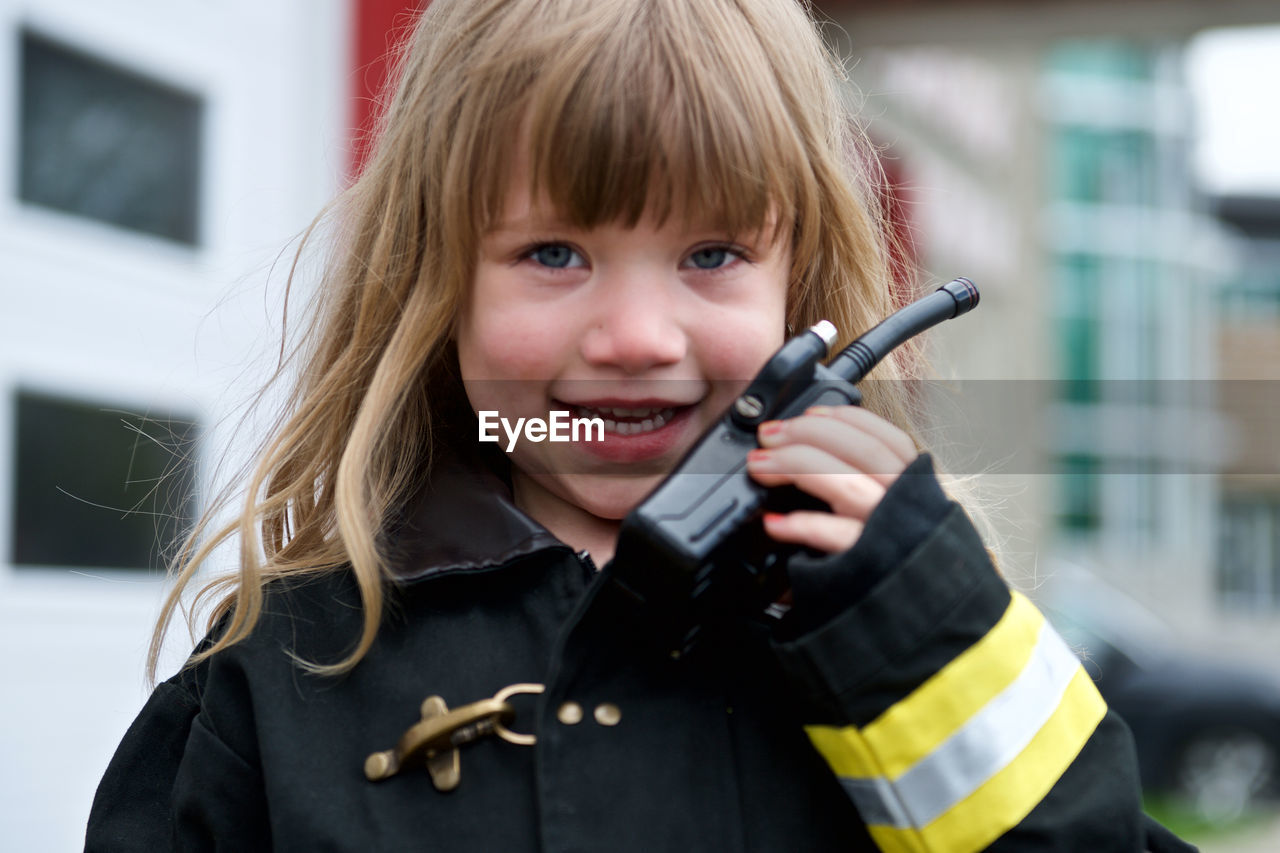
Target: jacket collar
point(464, 519)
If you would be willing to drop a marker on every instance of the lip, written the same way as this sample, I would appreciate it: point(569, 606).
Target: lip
point(629, 403)
point(638, 447)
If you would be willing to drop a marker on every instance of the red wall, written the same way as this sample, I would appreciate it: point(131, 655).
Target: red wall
point(376, 27)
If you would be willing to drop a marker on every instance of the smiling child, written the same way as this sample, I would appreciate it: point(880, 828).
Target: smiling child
point(614, 209)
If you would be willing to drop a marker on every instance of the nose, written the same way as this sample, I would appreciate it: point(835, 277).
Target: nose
point(636, 326)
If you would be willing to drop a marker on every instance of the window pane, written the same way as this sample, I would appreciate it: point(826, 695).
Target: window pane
point(107, 144)
point(1249, 552)
point(99, 486)
point(1080, 485)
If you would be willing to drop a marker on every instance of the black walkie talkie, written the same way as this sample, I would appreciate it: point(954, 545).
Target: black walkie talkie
point(697, 537)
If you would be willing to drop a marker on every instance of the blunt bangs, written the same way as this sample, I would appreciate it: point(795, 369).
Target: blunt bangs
point(635, 114)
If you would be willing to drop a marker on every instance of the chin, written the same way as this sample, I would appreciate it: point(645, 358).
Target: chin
point(614, 498)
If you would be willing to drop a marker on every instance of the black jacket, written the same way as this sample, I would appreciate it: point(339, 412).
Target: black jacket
point(712, 752)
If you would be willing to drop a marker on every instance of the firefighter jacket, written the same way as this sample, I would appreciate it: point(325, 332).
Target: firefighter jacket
point(908, 702)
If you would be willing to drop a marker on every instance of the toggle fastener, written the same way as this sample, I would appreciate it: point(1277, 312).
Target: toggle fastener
point(436, 738)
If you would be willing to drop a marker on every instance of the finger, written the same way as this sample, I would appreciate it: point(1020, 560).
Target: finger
point(848, 492)
point(857, 448)
point(902, 445)
point(821, 531)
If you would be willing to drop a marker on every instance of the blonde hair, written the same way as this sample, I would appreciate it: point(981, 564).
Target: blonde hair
point(730, 108)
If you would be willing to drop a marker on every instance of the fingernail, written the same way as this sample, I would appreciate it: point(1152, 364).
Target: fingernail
point(759, 458)
point(769, 428)
point(772, 517)
point(820, 410)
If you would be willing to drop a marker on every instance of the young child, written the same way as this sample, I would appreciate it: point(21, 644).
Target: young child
point(615, 209)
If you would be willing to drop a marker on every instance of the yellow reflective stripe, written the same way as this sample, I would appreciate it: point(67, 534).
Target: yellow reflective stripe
point(915, 726)
point(1004, 800)
point(892, 840)
point(933, 711)
point(1011, 794)
point(975, 763)
point(844, 751)
point(992, 738)
point(984, 745)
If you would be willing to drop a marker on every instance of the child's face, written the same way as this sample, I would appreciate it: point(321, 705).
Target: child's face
point(655, 329)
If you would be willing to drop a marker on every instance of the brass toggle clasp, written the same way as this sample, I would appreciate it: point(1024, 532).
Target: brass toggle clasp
point(500, 729)
point(438, 735)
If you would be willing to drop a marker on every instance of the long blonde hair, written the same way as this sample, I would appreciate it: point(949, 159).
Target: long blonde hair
point(732, 108)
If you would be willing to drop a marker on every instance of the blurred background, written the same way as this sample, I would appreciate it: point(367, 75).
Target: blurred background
point(1106, 172)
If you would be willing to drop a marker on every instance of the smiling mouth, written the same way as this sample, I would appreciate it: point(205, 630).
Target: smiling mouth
point(630, 421)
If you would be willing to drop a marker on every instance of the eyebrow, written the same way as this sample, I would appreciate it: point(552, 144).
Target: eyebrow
point(532, 222)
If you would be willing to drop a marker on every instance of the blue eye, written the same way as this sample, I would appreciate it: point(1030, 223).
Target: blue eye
point(712, 258)
point(556, 256)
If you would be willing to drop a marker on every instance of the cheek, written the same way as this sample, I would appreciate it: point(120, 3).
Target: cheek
point(761, 327)
point(738, 362)
point(502, 345)
point(486, 367)
point(739, 349)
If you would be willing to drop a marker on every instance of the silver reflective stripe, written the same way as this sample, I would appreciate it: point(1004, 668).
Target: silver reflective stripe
point(877, 802)
point(976, 751)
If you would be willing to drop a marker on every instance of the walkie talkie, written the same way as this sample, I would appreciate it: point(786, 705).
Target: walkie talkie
point(697, 539)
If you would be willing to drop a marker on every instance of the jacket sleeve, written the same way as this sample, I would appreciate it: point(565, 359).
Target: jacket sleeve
point(132, 809)
point(951, 712)
point(174, 785)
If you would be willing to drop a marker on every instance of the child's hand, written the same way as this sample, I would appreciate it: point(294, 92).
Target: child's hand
point(844, 455)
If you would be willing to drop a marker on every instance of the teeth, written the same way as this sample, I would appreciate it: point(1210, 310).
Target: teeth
point(652, 419)
point(628, 413)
